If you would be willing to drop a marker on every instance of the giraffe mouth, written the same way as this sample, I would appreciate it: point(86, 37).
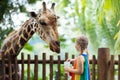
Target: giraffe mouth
point(55, 46)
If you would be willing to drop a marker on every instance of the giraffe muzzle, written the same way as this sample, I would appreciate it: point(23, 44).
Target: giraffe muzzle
point(55, 46)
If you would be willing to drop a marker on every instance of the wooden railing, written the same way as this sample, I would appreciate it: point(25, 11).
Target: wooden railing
point(102, 68)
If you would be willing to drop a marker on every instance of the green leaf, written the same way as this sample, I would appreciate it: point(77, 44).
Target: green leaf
point(73, 40)
point(65, 2)
point(32, 1)
point(22, 8)
point(28, 47)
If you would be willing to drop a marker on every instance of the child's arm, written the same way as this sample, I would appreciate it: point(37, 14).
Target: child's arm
point(80, 68)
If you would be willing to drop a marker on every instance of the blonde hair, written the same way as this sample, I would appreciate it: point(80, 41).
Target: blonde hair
point(82, 41)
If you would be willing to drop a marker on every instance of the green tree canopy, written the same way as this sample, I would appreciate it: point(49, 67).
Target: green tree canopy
point(8, 7)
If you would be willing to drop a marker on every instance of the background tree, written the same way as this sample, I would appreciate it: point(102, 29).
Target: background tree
point(7, 9)
point(96, 19)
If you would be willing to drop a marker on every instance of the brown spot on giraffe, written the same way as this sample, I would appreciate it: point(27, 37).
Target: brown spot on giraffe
point(25, 34)
point(44, 23)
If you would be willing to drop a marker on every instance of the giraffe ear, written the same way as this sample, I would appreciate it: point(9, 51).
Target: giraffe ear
point(33, 14)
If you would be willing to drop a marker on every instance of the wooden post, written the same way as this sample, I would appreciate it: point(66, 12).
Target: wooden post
point(22, 66)
point(73, 57)
point(59, 71)
point(28, 68)
point(51, 67)
point(112, 63)
point(36, 67)
point(93, 67)
point(66, 57)
point(16, 68)
point(119, 67)
point(9, 67)
point(44, 67)
point(103, 60)
point(3, 66)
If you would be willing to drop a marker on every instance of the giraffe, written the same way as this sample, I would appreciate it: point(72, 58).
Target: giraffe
point(44, 23)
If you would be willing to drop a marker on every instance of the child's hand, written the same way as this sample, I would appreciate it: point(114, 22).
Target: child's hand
point(70, 60)
point(66, 68)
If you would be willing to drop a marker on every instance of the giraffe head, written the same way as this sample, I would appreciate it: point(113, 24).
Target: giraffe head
point(47, 27)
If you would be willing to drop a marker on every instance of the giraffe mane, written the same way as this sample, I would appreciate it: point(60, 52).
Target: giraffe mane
point(13, 32)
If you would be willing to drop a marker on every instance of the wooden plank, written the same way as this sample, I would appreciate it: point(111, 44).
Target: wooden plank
point(28, 68)
point(59, 71)
point(36, 68)
point(93, 67)
point(44, 67)
point(22, 66)
point(19, 61)
point(103, 59)
point(51, 67)
point(10, 67)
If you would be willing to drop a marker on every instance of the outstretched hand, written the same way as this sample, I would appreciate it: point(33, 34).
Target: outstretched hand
point(70, 60)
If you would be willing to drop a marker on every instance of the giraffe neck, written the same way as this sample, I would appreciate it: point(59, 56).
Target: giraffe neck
point(16, 41)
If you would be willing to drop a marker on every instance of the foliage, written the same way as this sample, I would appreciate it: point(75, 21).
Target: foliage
point(7, 8)
point(117, 38)
point(96, 19)
point(28, 47)
point(4, 33)
point(10, 6)
point(55, 73)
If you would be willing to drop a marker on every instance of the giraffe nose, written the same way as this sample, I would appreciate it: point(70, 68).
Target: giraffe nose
point(42, 22)
point(57, 43)
point(55, 46)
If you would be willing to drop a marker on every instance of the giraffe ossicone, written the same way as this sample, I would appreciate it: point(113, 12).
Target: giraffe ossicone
point(44, 23)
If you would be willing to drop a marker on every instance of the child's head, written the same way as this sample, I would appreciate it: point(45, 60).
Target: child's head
point(81, 43)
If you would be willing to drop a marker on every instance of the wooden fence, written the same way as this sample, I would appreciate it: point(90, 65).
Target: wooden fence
point(102, 68)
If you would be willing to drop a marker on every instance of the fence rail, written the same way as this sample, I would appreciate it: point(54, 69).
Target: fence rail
point(102, 68)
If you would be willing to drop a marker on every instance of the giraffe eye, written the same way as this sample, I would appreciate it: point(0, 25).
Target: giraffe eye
point(39, 15)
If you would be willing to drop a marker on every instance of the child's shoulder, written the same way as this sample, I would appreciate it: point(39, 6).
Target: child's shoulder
point(81, 58)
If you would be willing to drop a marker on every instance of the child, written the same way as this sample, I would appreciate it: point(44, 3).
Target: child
point(80, 70)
